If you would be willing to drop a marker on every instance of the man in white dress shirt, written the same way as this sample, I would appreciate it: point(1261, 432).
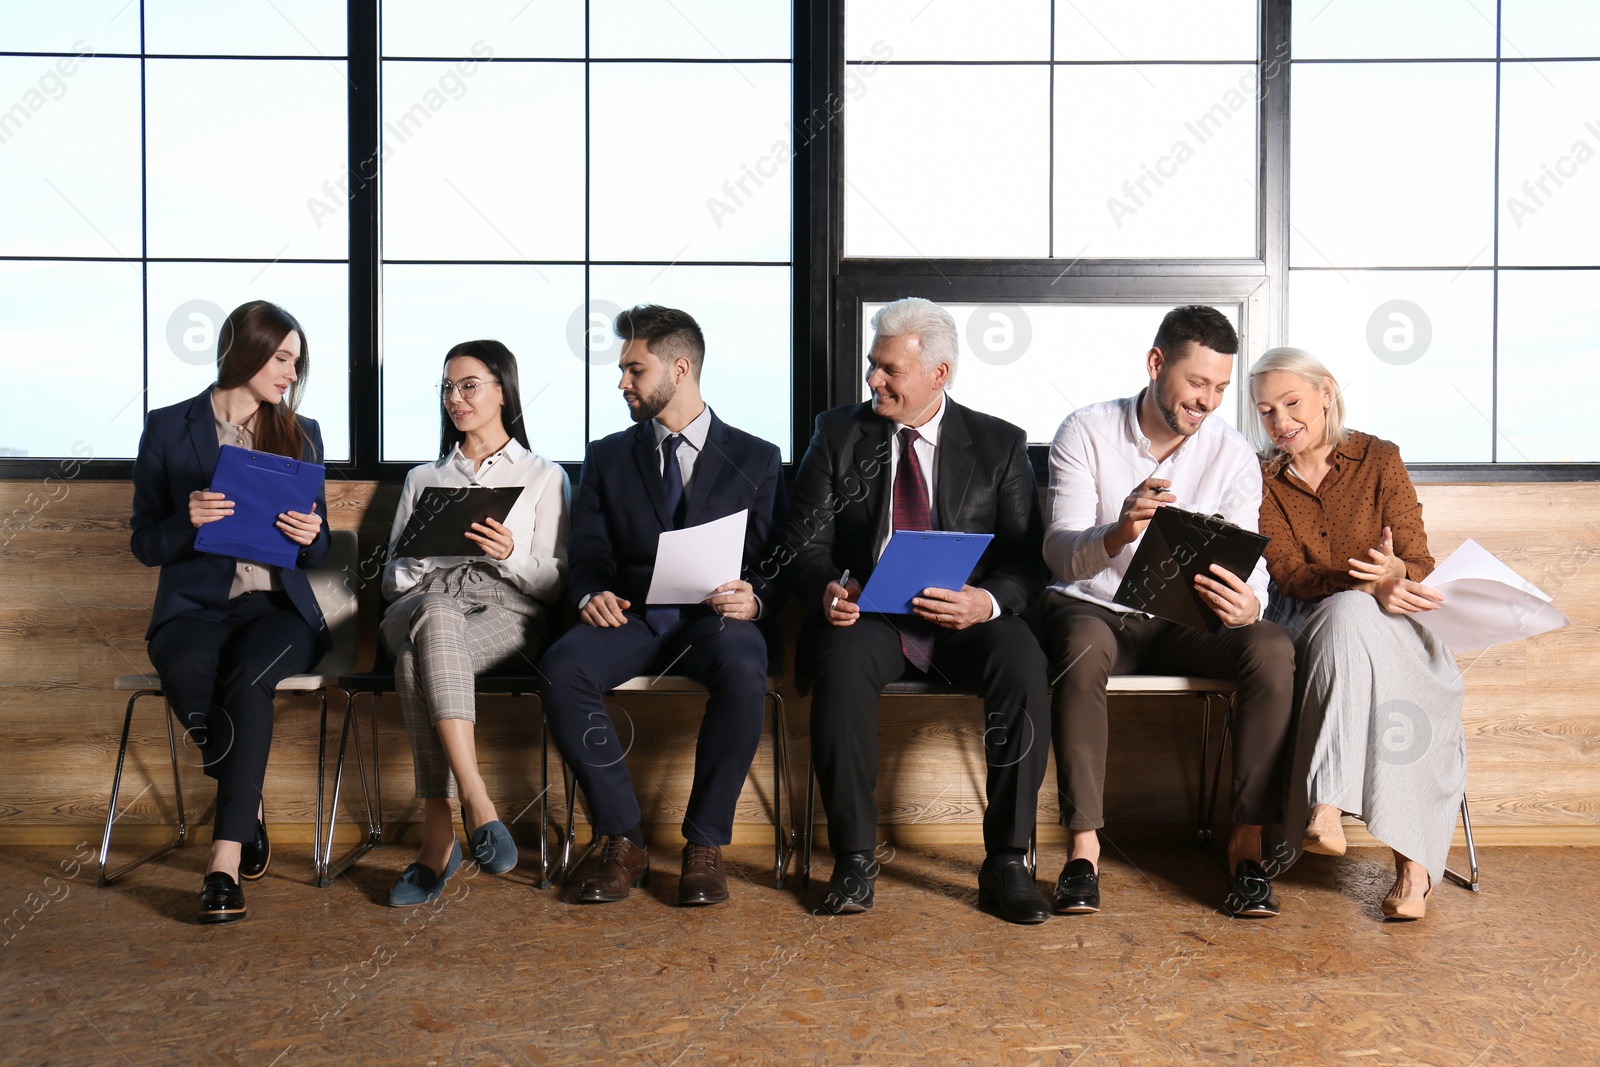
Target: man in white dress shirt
point(1112, 465)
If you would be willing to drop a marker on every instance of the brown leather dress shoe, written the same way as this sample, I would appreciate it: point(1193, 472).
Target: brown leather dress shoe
point(704, 880)
point(622, 866)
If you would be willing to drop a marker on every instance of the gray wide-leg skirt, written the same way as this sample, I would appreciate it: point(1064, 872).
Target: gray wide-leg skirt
point(1380, 733)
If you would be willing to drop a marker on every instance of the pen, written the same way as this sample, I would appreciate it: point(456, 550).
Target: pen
point(844, 581)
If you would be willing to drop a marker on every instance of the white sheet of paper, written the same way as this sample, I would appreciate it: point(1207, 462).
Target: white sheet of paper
point(691, 563)
point(1485, 602)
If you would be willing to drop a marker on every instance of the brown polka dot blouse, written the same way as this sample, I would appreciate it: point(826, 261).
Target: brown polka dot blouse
point(1315, 533)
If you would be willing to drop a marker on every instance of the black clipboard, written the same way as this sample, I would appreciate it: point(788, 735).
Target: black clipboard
point(442, 516)
point(1177, 546)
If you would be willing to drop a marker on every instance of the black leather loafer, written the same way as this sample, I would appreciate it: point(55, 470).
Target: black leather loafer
point(850, 890)
point(1006, 889)
point(1250, 896)
point(221, 899)
point(255, 855)
point(1077, 890)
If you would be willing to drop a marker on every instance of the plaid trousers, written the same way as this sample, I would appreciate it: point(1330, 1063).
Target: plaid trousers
point(454, 625)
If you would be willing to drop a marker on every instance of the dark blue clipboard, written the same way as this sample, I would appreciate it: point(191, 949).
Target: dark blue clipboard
point(262, 486)
point(915, 560)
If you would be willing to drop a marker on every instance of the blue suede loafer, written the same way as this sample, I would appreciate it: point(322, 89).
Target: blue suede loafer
point(492, 847)
point(419, 885)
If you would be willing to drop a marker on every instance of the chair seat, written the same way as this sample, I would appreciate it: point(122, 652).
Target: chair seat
point(1117, 683)
point(380, 683)
point(295, 683)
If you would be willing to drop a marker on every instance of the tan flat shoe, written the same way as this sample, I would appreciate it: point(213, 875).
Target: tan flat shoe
point(1396, 906)
point(1324, 842)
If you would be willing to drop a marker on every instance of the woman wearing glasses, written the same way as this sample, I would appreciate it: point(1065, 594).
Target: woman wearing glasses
point(224, 632)
point(457, 616)
point(1380, 732)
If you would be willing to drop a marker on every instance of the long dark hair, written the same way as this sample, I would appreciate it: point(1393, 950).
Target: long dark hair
point(249, 336)
point(501, 364)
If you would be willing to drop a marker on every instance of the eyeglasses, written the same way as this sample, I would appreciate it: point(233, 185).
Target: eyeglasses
point(468, 387)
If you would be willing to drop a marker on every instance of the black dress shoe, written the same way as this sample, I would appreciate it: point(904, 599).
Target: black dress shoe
point(1077, 890)
point(221, 899)
point(1250, 896)
point(1006, 889)
point(850, 889)
point(255, 855)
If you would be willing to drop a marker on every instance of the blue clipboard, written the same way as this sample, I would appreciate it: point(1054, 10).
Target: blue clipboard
point(262, 486)
point(915, 560)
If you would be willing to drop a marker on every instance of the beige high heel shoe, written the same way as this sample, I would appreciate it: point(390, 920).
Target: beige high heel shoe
point(1396, 906)
point(1324, 840)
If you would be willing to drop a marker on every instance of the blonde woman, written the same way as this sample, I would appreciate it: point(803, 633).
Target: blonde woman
point(1380, 733)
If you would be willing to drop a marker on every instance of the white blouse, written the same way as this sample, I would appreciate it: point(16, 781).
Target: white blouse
point(539, 521)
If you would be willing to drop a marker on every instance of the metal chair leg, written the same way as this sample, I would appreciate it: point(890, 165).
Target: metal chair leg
point(319, 855)
point(811, 825)
point(116, 789)
point(1472, 854)
point(570, 838)
point(1202, 828)
point(349, 735)
point(544, 801)
point(1209, 816)
point(783, 831)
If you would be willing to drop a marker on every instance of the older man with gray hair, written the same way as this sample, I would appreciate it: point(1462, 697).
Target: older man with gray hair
point(913, 459)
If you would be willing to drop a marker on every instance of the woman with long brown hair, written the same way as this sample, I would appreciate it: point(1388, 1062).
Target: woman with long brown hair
point(224, 632)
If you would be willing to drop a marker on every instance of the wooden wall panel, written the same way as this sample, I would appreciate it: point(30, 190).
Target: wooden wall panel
point(76, 605)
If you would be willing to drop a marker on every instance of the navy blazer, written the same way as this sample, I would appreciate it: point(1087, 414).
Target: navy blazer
point(984, 485)
point(621, 510)
point(177, 456)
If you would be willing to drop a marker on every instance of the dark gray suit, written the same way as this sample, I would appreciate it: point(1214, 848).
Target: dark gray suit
point(841, 510)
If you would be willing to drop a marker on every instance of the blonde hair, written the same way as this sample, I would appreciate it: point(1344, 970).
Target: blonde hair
point(1309, 369)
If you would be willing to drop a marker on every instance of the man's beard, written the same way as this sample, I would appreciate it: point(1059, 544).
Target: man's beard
point(652, 405)
point(1170, 415)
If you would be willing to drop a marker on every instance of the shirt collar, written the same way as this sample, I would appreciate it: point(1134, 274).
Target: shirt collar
point(695, 433)
point(511, 450)
point(928, 431)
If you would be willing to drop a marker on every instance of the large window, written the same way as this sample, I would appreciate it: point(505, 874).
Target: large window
point(156, 160)
point(1094, 129)
point(1411, 191)
point(546, 166)
point(1445, 200)
point(1057, 174)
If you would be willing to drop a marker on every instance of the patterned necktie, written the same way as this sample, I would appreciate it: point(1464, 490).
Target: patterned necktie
point(911, 512)
point(664, 618)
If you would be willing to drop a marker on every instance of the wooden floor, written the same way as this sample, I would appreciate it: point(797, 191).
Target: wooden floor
point(506, 974)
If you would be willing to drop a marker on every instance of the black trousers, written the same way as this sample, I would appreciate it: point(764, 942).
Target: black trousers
point(727, 656)
point(1000, 658)
point(220, 678)
point(1089, 643)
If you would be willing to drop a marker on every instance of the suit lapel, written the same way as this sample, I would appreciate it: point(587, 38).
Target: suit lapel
point(872, 452)
point(202, 424)
point(955, 467)
point(648, 457)
point(706, 468)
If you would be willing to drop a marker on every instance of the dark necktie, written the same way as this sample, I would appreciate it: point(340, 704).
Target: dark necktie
point(663, 618)
point(911, 512)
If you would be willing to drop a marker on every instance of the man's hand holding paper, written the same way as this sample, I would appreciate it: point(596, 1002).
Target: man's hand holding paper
point(694, 564)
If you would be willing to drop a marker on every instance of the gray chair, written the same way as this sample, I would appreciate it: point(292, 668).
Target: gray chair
point(334, 587)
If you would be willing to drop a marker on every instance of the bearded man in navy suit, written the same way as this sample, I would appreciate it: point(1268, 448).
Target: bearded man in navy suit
point(681, 466)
